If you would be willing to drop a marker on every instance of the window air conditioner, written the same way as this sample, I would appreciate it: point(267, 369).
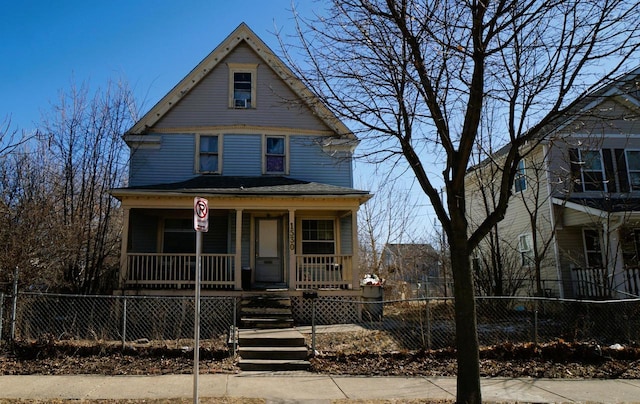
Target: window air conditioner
point(241, 103)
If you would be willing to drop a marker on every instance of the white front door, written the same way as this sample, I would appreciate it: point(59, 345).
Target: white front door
point(269, 267)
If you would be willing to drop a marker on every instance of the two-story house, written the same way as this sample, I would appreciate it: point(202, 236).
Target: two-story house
point(572, 228)
point(275, 166)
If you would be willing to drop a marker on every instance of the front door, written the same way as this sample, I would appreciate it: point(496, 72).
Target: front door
point(269, 250)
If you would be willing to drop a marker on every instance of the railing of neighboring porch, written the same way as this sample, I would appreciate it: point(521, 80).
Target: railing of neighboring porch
point(324, 272)
point(597, 283)
point(155, 270)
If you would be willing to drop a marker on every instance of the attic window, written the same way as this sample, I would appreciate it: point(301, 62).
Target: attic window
point(242, 85)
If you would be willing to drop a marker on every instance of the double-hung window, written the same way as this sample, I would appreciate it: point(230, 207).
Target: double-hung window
point(318, 237)
point(633, 166)
point(242, 85)
point(275, 155)
point(525, 249)
point(520, 182)
point(208, 158)
point(592, 170)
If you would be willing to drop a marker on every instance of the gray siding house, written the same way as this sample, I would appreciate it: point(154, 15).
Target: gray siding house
point(274, 165)
point(572, 228)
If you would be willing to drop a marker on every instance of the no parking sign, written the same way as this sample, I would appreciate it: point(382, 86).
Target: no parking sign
point(201, 214)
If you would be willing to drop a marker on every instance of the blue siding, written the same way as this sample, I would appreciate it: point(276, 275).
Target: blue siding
point(310, 163)
point(242, 155)
point(346, 241)
point(172, 162)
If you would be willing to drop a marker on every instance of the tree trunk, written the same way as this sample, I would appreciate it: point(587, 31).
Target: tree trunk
point(468, 384)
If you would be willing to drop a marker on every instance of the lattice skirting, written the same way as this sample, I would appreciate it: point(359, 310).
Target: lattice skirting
point(328, 311)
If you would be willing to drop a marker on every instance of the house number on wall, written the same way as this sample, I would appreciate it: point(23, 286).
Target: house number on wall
point(292, 237)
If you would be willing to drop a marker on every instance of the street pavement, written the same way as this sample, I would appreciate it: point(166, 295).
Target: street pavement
point(305, 387)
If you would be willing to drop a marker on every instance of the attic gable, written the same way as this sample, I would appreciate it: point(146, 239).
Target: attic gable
point(241, 35)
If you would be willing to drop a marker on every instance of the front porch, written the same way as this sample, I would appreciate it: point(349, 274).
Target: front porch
point(219, 272)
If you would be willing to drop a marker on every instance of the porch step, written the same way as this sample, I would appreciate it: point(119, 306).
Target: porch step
point(265, 365)
point(268, 341)
point(272, 350)
point(266, 312)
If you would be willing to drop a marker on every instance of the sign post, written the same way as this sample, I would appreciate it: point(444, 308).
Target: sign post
point(201, 225)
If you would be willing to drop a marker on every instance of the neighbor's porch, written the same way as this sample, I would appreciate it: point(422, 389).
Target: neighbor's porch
point(599, 251)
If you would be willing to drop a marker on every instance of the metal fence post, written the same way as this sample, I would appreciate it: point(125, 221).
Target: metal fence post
point(14, 309)
point(535, 323)
point(234, 314)
point(1, 313)
point(313, 327)
point(124, 321)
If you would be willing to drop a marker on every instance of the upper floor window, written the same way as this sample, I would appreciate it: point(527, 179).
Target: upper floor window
point(633, 165)
point(242, 85)
point(520, 182)
point(208, 156)
point(275, 155)
point(592, 171)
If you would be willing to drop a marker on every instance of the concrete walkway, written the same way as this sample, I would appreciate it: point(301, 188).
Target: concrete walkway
point(300, 387)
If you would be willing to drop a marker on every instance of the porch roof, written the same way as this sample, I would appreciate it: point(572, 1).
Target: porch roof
point(244, 186)
point(585, 210)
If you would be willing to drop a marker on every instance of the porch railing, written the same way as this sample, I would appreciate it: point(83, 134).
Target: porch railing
point(592, 283)
point(164, 271)
point(324, 272)
point(598, 283)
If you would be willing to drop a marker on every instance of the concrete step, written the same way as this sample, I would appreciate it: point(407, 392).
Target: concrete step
point(267, 323)
point(270, 338)
point(272, 365)
point(274, 353)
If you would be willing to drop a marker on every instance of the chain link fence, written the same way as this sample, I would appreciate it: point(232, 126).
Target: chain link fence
point(116, 318)
point(408, 324)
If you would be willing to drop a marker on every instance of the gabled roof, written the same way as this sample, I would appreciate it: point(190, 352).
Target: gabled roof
point(244, 186)
point(624, 89)
point(242, 34)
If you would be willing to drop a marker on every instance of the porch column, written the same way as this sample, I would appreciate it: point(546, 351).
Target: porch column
point(291, 247)
point(238, 253)
point(614, 253)
point(124, 264)
point(355, 269)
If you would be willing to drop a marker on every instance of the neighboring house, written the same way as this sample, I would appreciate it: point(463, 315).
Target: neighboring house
point(572, 228)
point(275, 166)
point(416, 266)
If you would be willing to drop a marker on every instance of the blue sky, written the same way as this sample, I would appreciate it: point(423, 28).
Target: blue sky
point(151, 44)
point(48, 45)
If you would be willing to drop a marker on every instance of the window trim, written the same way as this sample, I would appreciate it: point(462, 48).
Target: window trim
point(286, 154)
point(629, 170)
point(336, 232)
point(520, 180)
point(526, 251)
point(583, 170)
point(250, 68)
point(198, 153)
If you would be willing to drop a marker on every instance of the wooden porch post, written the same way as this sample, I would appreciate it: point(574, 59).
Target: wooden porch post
point(355, 269)
point(238, 252)
point(291, 247)
point(124, 264)
point(614, 253)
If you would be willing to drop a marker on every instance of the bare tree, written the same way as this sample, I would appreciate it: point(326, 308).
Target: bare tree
point(384, 219)
point(88, 159)
point(414, 77)
point(58, 223)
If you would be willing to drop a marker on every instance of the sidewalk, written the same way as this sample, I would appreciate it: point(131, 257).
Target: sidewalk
point(304, 386)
